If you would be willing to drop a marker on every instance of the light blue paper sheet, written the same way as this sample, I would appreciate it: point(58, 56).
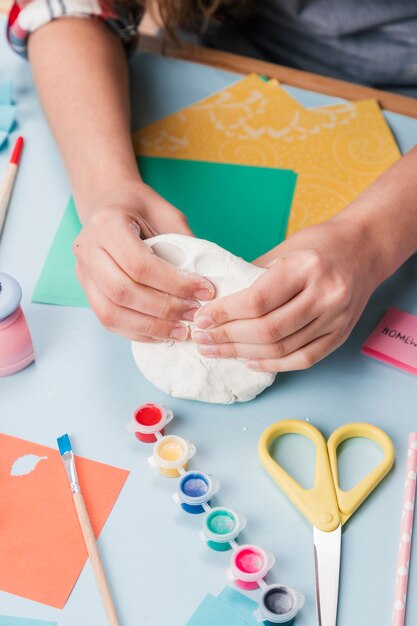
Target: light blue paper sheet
point(5, 91)
point(246, 606)
point(7, 117)
point(230, 608)
point(3, 137)
point(7, 112)
point(214, 612)
point(8, 620)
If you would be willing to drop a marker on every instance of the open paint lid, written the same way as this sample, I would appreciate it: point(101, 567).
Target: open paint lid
point(10, 295)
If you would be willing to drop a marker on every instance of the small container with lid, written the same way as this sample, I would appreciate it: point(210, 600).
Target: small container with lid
point(249, 564)
point(279, 604)
point(194, 490)
point(148, 421)
point(16, 348)
point(220, 527)
point(171, 455)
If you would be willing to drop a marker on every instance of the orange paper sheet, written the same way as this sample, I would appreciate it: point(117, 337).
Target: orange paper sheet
point(337, 151)
point(42, 551)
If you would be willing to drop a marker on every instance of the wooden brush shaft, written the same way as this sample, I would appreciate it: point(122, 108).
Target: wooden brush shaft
point(6, 189)
point(90, 542)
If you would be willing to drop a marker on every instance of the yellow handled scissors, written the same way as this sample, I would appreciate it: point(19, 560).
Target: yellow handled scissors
point(326, 505)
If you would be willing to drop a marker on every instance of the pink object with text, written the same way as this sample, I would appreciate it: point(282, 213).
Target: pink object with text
point(394, 341)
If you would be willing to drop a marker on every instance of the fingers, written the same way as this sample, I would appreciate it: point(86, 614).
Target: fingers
point(123, 291)
point(268, 329)
point(277, 349)
point(122, 241)
point(300, 359)
point(127, 322)
point(258, 299)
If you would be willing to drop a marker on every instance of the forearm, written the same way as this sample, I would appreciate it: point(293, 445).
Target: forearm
point(378, 230)
point(81, 75)
point(385, 216)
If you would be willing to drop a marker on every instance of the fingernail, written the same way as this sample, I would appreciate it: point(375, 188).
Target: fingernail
point(189, 315)
point(203, 294)
point(203, 321)
point(207, 350)
point(201, 336)
point(254, 365)
point(179, 332)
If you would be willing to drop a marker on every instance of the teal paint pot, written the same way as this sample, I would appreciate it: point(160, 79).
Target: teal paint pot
point(220, 527)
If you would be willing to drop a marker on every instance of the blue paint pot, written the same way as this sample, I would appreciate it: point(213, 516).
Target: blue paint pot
point(195, 489)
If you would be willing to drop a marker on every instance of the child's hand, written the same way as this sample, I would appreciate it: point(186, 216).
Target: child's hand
point(131, 290)
point(301, 309)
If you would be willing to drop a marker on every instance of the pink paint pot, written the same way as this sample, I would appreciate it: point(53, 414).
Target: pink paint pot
point(148, 421)
point(16, 348)
point(249, 564)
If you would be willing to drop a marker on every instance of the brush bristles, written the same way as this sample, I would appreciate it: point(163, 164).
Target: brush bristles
point(64, 444)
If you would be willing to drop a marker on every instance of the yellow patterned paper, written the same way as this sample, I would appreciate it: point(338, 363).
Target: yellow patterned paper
point(337, 150)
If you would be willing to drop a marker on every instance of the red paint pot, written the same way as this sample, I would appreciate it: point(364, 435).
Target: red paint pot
point(149, 420)
point(249, 564)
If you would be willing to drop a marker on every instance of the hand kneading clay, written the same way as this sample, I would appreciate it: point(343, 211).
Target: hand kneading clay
point(177, 367)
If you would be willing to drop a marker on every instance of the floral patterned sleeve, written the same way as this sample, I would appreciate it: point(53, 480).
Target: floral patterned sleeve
point(26, 17)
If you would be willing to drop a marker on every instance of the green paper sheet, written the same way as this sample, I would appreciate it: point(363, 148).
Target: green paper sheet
point(241, 208)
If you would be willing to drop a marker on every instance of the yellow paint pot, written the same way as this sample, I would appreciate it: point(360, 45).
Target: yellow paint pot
point(171, 454)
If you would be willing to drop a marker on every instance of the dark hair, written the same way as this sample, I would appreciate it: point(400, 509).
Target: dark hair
point(189, 14)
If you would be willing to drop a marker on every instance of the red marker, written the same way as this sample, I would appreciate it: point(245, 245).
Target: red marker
point(8, 181)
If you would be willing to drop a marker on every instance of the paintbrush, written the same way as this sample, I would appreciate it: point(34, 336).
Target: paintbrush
point(68, 459)
point(8, 182)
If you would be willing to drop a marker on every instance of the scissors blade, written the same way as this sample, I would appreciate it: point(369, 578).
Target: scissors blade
point(327, 564)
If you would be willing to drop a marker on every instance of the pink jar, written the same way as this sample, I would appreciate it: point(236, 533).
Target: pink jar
point(16, 349)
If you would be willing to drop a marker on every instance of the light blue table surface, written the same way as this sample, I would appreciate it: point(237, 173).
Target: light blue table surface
point(85, 383)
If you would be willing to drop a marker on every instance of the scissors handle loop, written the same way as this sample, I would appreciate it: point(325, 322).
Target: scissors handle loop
point(351, 500)
point(326, 505)
point(318, 504)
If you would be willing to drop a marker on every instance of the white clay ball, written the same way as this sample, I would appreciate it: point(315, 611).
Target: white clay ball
point(177, 368)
